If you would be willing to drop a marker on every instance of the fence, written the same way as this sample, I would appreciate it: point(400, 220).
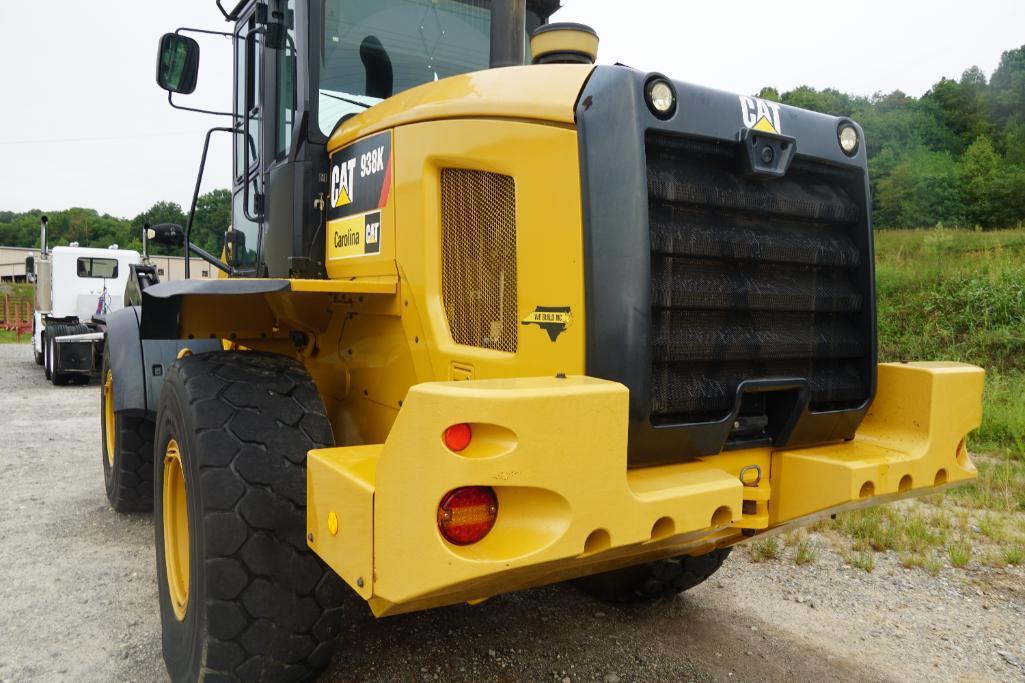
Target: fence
point(17, 315)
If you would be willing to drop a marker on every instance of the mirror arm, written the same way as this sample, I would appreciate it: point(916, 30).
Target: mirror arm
point(185, 29)
point(189, 247)
point(170, 95)
point(170, 100)
point(209, 258)
point(233, 14)
point(227, 16)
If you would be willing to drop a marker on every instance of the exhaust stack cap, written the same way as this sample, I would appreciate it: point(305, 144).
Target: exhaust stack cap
point(564, 43)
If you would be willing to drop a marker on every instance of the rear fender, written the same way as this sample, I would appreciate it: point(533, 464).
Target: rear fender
point(125, 353)
point(158, 355)
point(140, 365)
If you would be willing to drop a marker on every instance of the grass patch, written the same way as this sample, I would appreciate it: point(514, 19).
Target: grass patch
point(805, 552)
point(960, 295)
point(18, 290)
point(865, 561)
point(900, 529)
point(767, 549)
point(1000, 486)
point(956, 295)
point(911, 560)
point(960, 553)
point(928, 535)
point(932, 565)
point(7, 337)
point(993, 527)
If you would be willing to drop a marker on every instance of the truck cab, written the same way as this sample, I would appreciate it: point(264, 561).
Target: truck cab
point(89, 282)
point(77, 287)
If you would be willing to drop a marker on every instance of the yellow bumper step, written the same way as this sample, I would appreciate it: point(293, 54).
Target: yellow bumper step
point(554, 451)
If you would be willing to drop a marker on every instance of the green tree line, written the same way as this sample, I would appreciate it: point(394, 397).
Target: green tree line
point(92, 229)
point(955, 156)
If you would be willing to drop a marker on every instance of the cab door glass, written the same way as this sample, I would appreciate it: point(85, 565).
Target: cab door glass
point(244, 254)
point(248, 83)
point(286, 80)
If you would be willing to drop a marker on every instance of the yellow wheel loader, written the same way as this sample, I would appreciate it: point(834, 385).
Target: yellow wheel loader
point(495, 317)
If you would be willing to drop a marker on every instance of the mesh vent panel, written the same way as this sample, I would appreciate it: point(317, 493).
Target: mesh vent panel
point(478, 258)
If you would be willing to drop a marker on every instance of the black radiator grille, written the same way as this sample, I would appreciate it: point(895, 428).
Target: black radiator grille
point(752, 278)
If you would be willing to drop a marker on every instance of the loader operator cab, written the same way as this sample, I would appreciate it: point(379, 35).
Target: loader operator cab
point(301, 69)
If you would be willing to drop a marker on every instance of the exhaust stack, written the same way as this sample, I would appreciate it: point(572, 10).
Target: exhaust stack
point(43, 270)
point(43, 222)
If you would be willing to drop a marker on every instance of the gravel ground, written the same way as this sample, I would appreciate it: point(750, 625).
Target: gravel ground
point(78, 597)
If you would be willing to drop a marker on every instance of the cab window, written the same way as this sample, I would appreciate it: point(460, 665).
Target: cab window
point(97, 267)
point(373, 49)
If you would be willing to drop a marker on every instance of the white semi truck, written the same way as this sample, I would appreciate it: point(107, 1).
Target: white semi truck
point(76, 288)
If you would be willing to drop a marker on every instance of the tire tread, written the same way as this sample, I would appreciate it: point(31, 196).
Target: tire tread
point(654, 580)
point(266, 619)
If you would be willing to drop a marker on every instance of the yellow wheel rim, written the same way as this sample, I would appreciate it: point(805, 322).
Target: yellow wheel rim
point(176, 531)
point(108, 415)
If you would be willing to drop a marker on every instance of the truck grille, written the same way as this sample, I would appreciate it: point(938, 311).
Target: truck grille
point(752, 278)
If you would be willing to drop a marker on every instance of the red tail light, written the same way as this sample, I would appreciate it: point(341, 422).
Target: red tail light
point(457, 437)
point(467, 514)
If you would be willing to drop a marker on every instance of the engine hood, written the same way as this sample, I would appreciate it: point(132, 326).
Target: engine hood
point(538, 92)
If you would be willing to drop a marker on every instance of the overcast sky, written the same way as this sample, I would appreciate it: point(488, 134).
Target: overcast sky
point(82, 122)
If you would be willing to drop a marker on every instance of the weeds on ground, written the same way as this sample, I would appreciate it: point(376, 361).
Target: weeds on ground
point(955, 295)
point(932, 565)
point(7, 337)
point(767, 549)
point(928, 535)
point(960, 553)
point(805, 552)
point(949, 295)
point(909, 560)
point(864, 560)
point(993, 527)
point(1000, 486)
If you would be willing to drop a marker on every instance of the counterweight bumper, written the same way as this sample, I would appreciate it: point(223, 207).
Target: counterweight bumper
point(554, 450)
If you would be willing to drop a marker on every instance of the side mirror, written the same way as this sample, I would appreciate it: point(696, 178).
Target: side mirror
point(168, 234)
point(234, 244)
point(178, 63)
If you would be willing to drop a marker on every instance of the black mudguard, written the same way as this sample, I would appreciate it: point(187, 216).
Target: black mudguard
point(125, 352)
point(140, 365)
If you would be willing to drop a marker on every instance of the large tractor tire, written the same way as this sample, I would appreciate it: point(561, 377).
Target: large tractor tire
point(242, 596)
point(53, 371)
point(45, 343)
point(127, 447)
point(654, 580)
point(53, 331)
point(36, 355)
